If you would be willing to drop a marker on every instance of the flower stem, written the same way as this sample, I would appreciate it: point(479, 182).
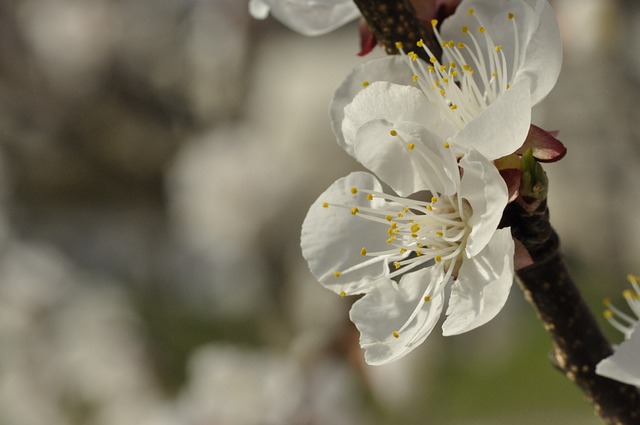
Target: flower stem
point(578, 343)
point(395, 21)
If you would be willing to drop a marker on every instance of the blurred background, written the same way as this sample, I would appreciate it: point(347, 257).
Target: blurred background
point(157, 159)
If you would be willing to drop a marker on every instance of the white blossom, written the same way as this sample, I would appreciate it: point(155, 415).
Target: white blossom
point(402, 251)
point(500, 58)
point(308, 17)
point(624, 364)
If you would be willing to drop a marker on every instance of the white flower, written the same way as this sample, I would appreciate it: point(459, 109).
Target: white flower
point(624, 364)
point(359, 240)
point(308, 17)
point(500, 57)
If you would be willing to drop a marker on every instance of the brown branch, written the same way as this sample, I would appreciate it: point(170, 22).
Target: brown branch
point(396, 21)
point(578, 342)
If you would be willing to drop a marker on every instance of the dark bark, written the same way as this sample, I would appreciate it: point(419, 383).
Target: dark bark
point(578, 343)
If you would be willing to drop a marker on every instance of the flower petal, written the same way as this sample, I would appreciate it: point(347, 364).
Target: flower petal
point(485, 190)
point(332, 238)
point(502, 128)
point(386, 309)
point(544, 145)
point(623, 364)
point(539, 43)
point(392, 69)
point(482, 287)
point(414, 159)
point(307, 17)
point(543, 54)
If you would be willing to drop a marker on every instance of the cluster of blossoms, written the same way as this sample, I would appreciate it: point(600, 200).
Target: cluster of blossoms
point(433, 133)
point(623, 364)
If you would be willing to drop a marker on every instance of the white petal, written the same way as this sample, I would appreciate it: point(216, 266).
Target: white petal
point(543, 58)
point(332, 237)
point(483, 286)
point(428, 166)
point(540, 46)
point(502, 128)
point(624, 364)
point(387, 308)
point(393, 103)
point(485, 190)
point(258, 9)
point(392, 69)
point(308, 17)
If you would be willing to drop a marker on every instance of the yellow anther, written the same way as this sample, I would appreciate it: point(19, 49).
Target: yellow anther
point(508, 86)
point(432, 60)
point(365, 83)
point(354, 190)
point(629, 294)
point(363, 252)
point(498, 48)
point(398, 45)
point(454, 74)
point(410, 146)
point(467, 67)
point(434, 22)
point(429, 207)
point(437, 83)
point(453, 106)
point(337, 274)
point(608, 314)
point(395, 334)
point(633, 279)
point(355, 210)
point(403, 250)
point(396, 264)
point(414, 235)
point(427, 298)
point(470, 12)
point(445, 80)
point(481, 29)
point(439, 233)
point(389, 218)
point(443, 68)
point(393, 133)
point(511, 15)
point(370, 197)
point(414, 78)
point(325, 205)
point(606, 302)
point(452, 64)
point(434, 200)
point(420, 43)
point(460, 45)
point(451, 43)
point(400, 214)
point(431, 68)
point(413, 56)
point(419, 244)
point(465, 29)
point(415, 228)
point(405, 209)
point(394, 225)
point(442, 92)
point(446, 145)
point(418, 252)
point(494, 74)
point(438, 258)
point(443, 43)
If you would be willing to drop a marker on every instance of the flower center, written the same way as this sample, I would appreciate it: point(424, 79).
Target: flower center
point(477, 72)
point(417, 232)
point(620, 320)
